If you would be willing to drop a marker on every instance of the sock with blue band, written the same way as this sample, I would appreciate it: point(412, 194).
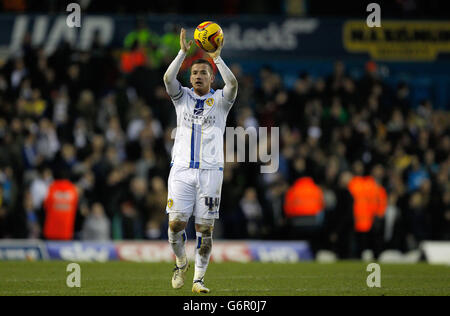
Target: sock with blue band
point(178, 243)
point(202, 255)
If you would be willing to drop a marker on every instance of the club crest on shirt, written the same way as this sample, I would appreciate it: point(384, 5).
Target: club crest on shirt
point(170, 203)
point(210, 102)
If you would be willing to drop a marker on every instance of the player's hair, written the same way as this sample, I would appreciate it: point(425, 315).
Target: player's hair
point(203, 61)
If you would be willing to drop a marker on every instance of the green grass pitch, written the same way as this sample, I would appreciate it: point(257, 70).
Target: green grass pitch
point(224, 279)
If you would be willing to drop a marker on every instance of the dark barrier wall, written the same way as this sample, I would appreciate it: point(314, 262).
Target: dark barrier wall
point(269, 37)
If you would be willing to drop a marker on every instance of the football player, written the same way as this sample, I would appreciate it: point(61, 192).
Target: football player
point(195, 180)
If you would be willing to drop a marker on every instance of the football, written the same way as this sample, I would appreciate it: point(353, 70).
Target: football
point(208, 36)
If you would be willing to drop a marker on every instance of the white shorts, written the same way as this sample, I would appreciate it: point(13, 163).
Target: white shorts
point(194, 192)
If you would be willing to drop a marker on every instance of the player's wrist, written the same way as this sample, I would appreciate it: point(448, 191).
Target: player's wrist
point(217, 59)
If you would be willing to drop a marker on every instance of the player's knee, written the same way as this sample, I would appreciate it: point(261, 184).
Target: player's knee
point(177, 226)
point(205, 230)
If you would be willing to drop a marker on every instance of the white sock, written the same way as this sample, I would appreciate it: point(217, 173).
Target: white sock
point(178, 243)
point(202, 254)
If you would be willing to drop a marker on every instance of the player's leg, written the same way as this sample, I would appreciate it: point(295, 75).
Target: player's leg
point(204, 229)
point(177, 238)
point(177, 241)
point(181, 200)
point(206, 211)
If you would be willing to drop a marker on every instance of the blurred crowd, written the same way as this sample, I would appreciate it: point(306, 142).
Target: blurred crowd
point(336, 128)
point(102, 119)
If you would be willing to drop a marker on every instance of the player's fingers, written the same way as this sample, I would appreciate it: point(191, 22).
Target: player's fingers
point(190, 43)
point(220, 43)
point(183, 39)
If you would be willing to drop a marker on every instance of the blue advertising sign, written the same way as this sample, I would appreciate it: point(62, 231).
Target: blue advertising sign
point(280, 251)
point(22, 250)
point(82, 251)
point(238, 251)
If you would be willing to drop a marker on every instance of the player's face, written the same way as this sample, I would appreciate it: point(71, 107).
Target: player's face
point(201, 78)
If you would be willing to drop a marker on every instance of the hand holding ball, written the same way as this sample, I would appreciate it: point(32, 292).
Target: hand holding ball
point(208, 36)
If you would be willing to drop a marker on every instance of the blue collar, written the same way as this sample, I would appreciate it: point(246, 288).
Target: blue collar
point(210, 91)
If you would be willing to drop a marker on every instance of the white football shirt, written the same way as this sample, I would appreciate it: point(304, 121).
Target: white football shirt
point(201, 124)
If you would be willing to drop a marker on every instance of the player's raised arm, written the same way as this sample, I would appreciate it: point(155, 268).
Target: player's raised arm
point(231, 84)
point(173, 86)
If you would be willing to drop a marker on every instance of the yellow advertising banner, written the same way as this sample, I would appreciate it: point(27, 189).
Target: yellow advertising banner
point(398, 40)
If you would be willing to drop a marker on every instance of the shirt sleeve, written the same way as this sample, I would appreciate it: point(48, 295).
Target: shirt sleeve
point(231, 84)
point(173, 86)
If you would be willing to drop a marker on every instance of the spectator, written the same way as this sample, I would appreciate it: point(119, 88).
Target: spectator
point(33, 225)
point(39, 187)
point(81, 134)
point(142, 35)
point(133, 208)
point(86, 108)
point(232, 218)
point(96, 226)
point(146, 165)
point(252, 211)
point(133, 58)
point(47, 141)
point(304, 198)
point(3, 216)
point(18, 74)
point(342, 222)
point(417, 175)
point(60, 208)
point(31, 156)
point(417, 220)
point(155, 215)
point(170, 43)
